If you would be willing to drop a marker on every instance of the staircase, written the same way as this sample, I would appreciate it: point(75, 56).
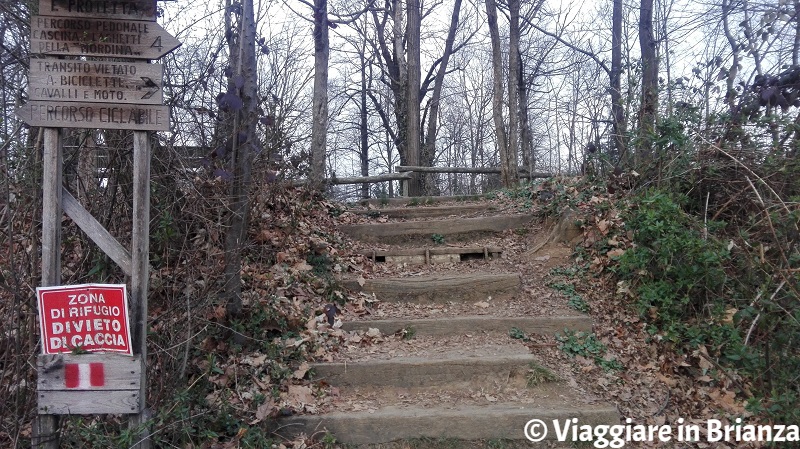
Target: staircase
point(453, 278)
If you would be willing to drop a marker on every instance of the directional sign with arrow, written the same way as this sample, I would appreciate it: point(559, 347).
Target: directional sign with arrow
point(135, 39)
point(95, 81)
point(108, 9)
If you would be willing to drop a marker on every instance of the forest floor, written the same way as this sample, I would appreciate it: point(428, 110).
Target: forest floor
point(236, 377)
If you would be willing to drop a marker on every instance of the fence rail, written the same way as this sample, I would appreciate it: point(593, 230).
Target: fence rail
point(404, 173)
point(522, 172)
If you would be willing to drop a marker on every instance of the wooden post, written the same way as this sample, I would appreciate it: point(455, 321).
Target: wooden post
point(140, 255)
point(45, 433)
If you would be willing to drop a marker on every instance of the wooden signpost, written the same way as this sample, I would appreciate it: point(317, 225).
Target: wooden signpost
point(109, 38)
point(95, 94)
point(111, 9)
point(66, 114)
point(52, 79)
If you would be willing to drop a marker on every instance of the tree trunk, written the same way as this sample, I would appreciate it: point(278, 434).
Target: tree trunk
point(429, 149)
point(363, 128)
point(509, 167)
point(497, 84)
point(396, 70)
point(526, 140)
point(649, 100)
point(796, 47)
point(319, 127)
point(617, 106)
point(243, 144)
point(412, 94)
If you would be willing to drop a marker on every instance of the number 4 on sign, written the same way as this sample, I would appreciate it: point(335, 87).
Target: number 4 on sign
point(157, 43)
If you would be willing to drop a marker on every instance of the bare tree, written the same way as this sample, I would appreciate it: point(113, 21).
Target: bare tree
point(648, 107)
point(508, 167)
point(429, 148)
point(319, 127)
point(618, 124)
point(241, 102)
point(497, 94)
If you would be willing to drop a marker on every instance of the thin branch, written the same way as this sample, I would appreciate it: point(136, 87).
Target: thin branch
point(573, 47)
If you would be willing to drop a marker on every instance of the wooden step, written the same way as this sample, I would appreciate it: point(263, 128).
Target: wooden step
point(441, 287)
point(386, 232)
point(418, 200)
point(464, 423)
point(425, 212)
point(413, 372)
point(442, 254)
point(472, 325)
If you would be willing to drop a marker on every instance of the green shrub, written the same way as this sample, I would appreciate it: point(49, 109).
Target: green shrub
point(678, 275)
point(692, 292)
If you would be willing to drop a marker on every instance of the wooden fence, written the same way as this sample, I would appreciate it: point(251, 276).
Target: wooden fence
point(405, 172)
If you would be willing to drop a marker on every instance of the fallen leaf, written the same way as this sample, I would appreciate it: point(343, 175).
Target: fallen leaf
point(729, 314)
point(299, 395)
point(254, 361)
point(302, 266)
point(354, 339)
point(301, 371)
point(616, 252)
point(264, 411)
point(727, 399)
point(667, 380)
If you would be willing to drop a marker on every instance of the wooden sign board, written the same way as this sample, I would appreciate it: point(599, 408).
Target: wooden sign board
point(90, 317)
point(110, 9)
point(95, 81)
point(64, 114)
point(135, 39)
point(84, 384)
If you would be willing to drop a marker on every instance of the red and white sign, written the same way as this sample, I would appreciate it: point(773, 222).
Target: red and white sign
point(88, 317)
point(84, 376)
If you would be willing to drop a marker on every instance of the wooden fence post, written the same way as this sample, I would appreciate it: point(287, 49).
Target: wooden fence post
point(45, 432)
point(140, 276)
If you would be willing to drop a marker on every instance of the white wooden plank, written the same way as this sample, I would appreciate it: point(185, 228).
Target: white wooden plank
point(81, 402)
point(120, 372)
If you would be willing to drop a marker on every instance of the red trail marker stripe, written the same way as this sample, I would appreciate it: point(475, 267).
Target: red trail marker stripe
point(71, 375)
point(97, 375)
point(84, 375)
